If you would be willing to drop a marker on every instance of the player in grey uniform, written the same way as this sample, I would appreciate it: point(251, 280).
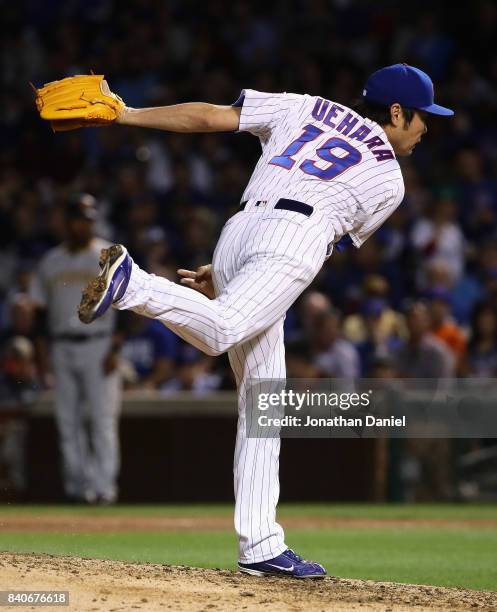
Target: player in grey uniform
point(83, 360)
point(326, 172)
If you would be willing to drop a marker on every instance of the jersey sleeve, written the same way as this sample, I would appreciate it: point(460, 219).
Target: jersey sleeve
point(389, 200)
point(261, 111)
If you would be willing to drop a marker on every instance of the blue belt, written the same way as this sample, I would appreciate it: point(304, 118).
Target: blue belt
point(285, 204)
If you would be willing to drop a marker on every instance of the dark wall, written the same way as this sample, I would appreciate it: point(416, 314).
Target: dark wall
point(190, 460)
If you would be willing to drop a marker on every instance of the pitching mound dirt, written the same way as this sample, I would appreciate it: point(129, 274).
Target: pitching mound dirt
point(108, 586)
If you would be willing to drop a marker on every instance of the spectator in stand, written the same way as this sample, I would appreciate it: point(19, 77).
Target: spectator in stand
point(418, 196)
point(443, 325)
point(462, 295)
point(149, 351)
point(19, 375)
point(158, 255)
point(299, 324)
point(389, 323)
point(468, 85)
point(488, 269)
point(477, 195)
point(438, 236)
point(383, 367)
point(301, 367)
point(21, 318)
point(194, 373)
point(423, 355)
point(21, 282)
point(133, 204)
point(299, 361)
point(18, 378)
point(199, 230)
point(181, 200)
point(481, 358)
point(335, 356)
point(141, 217)
point(380, 341)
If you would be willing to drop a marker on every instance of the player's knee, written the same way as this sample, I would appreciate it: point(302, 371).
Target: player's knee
point(223, 344)
point(227, 335)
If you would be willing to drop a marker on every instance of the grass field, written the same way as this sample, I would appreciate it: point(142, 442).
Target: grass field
point(379, 511)
point(444, 545)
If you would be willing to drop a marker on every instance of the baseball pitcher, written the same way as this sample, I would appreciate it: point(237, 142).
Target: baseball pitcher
point(327, 173)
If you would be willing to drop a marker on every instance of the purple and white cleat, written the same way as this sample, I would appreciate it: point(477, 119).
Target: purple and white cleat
point(287, 564)
point(109, 286)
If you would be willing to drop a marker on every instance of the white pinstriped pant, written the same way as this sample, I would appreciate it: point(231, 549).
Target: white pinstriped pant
point(263, 261)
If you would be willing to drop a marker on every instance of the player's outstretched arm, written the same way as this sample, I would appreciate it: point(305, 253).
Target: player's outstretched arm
point(187, 118)
point(87, 101)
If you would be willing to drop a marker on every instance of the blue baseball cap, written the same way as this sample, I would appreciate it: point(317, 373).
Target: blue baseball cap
point(408, 86)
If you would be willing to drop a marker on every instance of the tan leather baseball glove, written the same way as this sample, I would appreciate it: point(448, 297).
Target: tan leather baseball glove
point(78, 101)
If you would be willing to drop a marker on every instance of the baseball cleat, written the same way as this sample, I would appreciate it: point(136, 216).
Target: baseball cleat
point(287, 564)
point(109, 286)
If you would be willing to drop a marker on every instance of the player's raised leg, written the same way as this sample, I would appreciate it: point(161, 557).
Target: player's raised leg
point(212, 326)
point(254, 298)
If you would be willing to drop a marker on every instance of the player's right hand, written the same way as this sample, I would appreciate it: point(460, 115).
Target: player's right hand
point(201, 280)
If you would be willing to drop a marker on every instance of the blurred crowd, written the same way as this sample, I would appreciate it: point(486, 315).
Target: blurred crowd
point(418, 299)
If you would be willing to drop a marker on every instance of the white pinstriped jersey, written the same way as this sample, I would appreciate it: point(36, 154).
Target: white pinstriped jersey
point(324, 154)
